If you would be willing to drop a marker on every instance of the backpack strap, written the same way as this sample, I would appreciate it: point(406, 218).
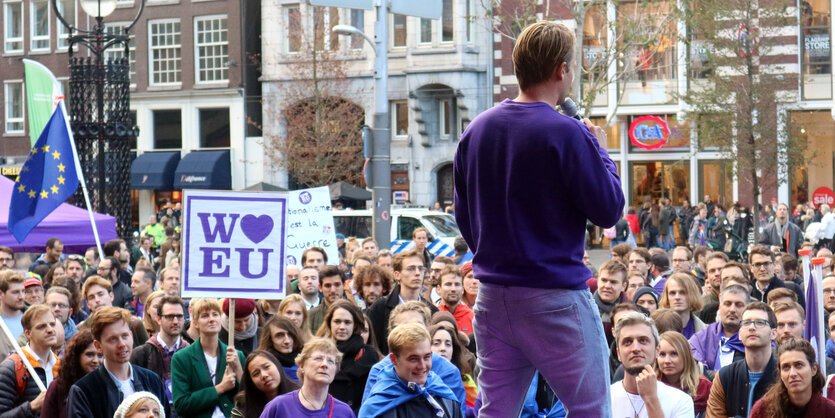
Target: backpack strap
point(21, 375)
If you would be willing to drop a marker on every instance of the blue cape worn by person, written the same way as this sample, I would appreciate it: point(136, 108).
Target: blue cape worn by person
point(390, 391)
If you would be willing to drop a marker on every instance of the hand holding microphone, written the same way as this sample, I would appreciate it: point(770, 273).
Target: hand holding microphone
point(569, 108)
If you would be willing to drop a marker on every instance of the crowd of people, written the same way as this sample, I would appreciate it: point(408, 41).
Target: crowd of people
point(691, 333)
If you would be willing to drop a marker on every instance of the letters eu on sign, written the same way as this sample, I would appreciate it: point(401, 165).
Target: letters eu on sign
point(233, 244)
point(649, 132)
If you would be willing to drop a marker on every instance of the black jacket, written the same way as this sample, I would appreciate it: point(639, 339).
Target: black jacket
point(622, 230)
point(419, 407)
point(734, 379)
point(379, 314)
point(97, 396)
point(349, 383)
point(10, 405)
point(776, 283)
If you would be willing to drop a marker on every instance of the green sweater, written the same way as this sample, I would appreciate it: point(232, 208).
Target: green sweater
point(193, 390)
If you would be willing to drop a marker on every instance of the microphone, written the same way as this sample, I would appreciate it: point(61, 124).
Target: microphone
point(569, 108)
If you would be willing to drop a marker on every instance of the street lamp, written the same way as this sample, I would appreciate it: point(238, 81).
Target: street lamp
point(99, 104)
point(381, 134)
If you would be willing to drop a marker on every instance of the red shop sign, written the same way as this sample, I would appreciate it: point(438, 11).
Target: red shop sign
point(823, 195)
point(649, 132)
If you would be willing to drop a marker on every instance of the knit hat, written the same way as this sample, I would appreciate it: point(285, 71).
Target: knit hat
point(136, 397)
point(466, 268)
point(643, 291)
point(243, 307)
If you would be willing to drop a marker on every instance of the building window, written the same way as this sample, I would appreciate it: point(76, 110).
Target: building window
point(293, 34)
point(13, 26)
point(425, 31)
point(445, 117)
point(39, 24)
point(168, 129)
point(469, 19)
point(817, 49)
point(14, 107)
point(446, 21)
point(400, 118)
point(165, 51)
point(324, 19)
point(648, 68)
point(118, 51)
point(214, 128)
point(357, 21)
point(595, 64)
point(68, 10)
point(399, 31)
point(211, 49)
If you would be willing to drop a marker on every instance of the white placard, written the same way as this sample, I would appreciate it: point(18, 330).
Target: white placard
point(233, 244)
point(310, 224)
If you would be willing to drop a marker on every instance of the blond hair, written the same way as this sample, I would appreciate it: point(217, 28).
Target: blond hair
point(540, 49)
point(7, 277)
point(96, 281)
point(298, 299)
point(34, 311)
point(147, 320)
point(694, 300)
point(200, 305)
point(410, 306)
point(325, 345)
point(407, 335)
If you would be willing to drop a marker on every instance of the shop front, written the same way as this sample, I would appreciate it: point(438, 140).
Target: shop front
point(814, 181)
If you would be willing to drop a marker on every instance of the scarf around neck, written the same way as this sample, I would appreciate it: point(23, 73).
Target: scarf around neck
point(248, 333)
point(390, 391)
point(350, 347)
point(286, 360)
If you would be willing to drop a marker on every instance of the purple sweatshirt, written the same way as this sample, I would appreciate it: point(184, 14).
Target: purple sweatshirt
point(526, 180)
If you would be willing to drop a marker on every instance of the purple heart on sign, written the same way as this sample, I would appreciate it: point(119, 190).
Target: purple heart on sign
point(257, 228)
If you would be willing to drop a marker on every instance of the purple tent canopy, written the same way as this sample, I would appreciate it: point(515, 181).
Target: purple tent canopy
point(68, 223)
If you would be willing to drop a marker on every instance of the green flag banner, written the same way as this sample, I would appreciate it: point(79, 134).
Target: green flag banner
point(43, 91)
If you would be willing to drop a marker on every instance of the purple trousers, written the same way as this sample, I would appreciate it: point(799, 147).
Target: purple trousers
point(520, 330)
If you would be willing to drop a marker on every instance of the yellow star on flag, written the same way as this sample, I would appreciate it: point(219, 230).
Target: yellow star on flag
point(61, 167)
point(56, 155)
point(34, 150)
point(45, 149)
point(44, 194)
point(61, 179)
point(54, 189)
point(32, 193)
point(22, 188)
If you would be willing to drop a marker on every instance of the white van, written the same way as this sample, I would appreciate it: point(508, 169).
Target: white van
point(358, 223)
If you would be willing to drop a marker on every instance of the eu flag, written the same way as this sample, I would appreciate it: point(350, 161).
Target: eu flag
point(47, 179)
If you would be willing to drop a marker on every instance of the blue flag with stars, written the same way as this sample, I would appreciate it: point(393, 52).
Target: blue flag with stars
point(47, 179)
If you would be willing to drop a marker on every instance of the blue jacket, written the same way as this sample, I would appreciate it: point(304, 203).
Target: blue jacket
point(389, 392)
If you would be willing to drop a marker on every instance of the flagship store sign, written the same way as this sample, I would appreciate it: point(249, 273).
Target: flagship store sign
point(649, 132)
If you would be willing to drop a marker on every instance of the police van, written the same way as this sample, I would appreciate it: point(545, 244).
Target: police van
point(441, 226)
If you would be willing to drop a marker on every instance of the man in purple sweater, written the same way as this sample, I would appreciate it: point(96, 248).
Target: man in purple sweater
point(526, 180)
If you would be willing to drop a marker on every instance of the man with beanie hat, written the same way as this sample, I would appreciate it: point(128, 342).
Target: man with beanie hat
point(246, 325)
point(646, 298)
point(144, 397)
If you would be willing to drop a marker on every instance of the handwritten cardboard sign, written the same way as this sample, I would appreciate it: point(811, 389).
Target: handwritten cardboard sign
point(310, 224)
point(234, 244)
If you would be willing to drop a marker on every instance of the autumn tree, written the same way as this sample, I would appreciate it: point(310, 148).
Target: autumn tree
point(611, 52)
point(321, 139)
point(736, 85)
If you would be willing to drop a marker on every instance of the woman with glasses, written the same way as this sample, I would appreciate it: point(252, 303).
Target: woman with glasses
point(281, 338)
point(675, 366)
point(80, 357)
point(343, 324)
point(799, 390)
point(318, 363)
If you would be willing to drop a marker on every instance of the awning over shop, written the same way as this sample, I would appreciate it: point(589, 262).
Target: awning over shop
point(204, 170)
point(154, 170)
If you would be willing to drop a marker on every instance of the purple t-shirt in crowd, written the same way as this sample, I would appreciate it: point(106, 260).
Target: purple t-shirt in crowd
point(526, 179)
point(289, 405)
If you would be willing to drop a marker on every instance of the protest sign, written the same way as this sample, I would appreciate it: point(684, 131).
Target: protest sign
point(233, 244)
point(310, 224)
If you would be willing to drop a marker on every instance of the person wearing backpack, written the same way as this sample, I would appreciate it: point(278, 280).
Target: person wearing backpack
point(19, 394)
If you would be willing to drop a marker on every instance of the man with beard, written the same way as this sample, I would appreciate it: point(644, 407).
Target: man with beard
point(718, 345)
point(332, 286)
point(109, 269)
point(155, 355)
point(740, 385)
point(309, 287)
point(74, 266)
point(118, 249)
point(791, 321)
point(781, 234)
point(640, 393)
point(11, 306)
point(610, 285)
point(451, 289)
point(372, 282)
point(58, 299)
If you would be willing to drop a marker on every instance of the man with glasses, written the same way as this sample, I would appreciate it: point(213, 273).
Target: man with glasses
point(828, 285)
point(761, 260)
point(409, 272)
point(738, 386)
point(681, 259)
point(58, 299)
point(155, 355)
point(430, 292)
point(6, 258)
point(109, 269)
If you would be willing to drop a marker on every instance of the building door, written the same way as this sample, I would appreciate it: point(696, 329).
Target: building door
point(446, 188)
point(656, 179)
point(715, 179)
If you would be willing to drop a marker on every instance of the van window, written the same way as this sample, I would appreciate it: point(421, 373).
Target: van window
point(444, 224)
point(405, 226)
point(353, 226)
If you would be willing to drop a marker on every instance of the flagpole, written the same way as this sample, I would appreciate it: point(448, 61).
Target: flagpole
point(807, 270)
point(821, 331)
point(80, 174)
